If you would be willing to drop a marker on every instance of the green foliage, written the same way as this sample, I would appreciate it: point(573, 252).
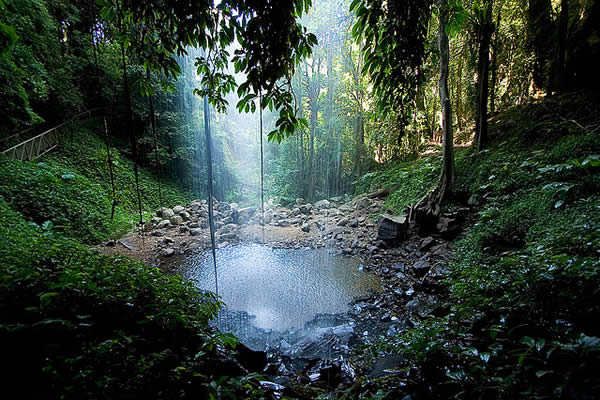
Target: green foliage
point(84, 153)
point(523, 283)
point(83, 325)
point(71, 187)
point(408, 181)
point(393, 68)
point(75, 205)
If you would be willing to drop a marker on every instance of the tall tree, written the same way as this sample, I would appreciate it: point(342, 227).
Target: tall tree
point(484, 35)
point(427, 211)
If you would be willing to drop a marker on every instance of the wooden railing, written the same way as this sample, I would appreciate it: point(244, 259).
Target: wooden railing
point(40, 144)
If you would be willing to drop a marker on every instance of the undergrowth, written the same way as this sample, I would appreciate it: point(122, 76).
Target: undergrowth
point(524, 284)
point(70, 188)
point(75, 325)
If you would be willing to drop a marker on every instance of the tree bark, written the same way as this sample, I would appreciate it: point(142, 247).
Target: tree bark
point(484, 35)
point(130, 127)
point(494, 66)
point(427, 211)
point(539, 31)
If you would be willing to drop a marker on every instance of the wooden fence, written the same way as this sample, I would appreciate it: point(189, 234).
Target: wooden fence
point(40, 144)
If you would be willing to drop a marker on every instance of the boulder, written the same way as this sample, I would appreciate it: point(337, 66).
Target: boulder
point(305, 227)
point(196, 231)
point(323, 204)
point(223, 207)
point(165, 213)
point(306, 208)
point(421, 267)
point(176, 220)
point(426, 243)
point(343, 222)
point(392, 229)
point(243, 215)
point(185, 215)
point(178, 209)
point(363, 203)
point(353, 223)
point(167, 252)
point(165, 223)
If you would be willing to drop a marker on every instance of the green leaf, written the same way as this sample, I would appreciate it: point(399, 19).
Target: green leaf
point(46, 298)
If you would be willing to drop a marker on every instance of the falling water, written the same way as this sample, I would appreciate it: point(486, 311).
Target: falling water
point(281, 288)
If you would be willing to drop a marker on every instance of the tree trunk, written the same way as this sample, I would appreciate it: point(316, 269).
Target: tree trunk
point(484, 35)
point(494, 67)
point(131, 129)
point(559, 78)
point(539, 31)
point(427, 211)
point(155, 141)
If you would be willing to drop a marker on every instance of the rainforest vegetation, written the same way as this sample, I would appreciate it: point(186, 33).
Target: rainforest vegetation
point(112, 109)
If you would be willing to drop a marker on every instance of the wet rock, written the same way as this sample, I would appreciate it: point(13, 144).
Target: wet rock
point(438, 271)
point(392, 229)
point(176, 220)
point(243, 215)
point(165, 223)
point(363, 203)
point(372, 249)
point(228, 236)
point(306, 208)
point(353, 223)
point(165, 213)
point(343, 222)
point(178, 209)
point(382, 244)
point(195, 245)
point(422, 306)
point(400, 267)
point(305, 227)
point(196, 231)
point(167, 252)
point(223, 207)
point(426, 243)
point(386, 365)
point(421, 267)
point(323, 204)
point(448, 227)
